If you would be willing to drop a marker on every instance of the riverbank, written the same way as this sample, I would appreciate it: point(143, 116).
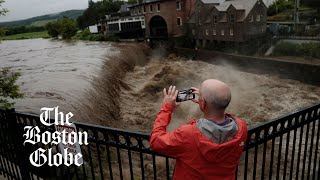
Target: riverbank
point(32, 35)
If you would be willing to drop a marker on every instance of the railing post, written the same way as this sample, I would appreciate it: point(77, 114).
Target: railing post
point(18, 145)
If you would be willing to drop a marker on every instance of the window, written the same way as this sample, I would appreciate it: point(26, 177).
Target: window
point(251, 18)
point(222, 32)
point(151, 8)
point(214, 32)
point(179, 21)
point(144, 9)
point(139, 10)
point(178, 5)
point(207, 32)
point(193, 32)
point(258, 18)
point(158, 7)
point(214, 19)
point(231, 31)
point(232, 18)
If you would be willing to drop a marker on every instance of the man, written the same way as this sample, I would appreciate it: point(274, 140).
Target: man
point(208, 148)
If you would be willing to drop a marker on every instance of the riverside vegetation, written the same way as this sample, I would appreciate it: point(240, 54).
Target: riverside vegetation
point(311, 49)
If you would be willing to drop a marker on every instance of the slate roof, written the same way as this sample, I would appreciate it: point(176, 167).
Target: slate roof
point(246, 5)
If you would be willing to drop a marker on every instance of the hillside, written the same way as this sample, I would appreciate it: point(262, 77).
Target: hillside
point(42, 20)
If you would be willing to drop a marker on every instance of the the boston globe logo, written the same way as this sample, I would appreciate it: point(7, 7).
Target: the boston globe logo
point(65, 136)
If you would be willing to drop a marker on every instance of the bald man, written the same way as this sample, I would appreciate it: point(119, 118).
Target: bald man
point(207, 148)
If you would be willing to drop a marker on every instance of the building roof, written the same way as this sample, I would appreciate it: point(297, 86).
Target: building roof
point(144, 2)
point(245, 5)
point(212, 1)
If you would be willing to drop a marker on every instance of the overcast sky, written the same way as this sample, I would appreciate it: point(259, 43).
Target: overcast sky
point(23, 9)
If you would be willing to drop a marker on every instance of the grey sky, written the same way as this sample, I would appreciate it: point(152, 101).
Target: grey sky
point(23, 9)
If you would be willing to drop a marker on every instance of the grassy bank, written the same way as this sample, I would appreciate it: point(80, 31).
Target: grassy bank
point(31, 35)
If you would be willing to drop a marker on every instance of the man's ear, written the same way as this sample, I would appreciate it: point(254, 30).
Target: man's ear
point(202, 105)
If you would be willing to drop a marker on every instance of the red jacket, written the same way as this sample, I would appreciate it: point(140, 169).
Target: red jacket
point(197, 157)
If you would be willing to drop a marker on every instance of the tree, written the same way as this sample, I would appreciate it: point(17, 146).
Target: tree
point(3, 12)
point(8, 88)
point(280, 6)
point(8, 78)
point(52, 29)
point(66, 28)
point(97, 11)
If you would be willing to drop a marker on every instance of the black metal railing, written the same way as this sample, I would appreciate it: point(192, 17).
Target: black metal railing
point(285, 148)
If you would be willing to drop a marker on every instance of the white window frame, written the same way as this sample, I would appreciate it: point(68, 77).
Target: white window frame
point(158, 7)
point(231, 31)
point(179, 20)
point(178, 1)
point(258, 18)
point(251, 18)
point(207, 32)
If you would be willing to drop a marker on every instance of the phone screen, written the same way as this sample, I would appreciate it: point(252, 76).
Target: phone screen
point(185, 95)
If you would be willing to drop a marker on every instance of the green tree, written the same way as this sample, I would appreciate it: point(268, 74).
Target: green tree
point(8, 78)
point(8, 88)
point(3, 12)
point(280, 6)
point(97, 11)
point(52, 29)
point(66, 28)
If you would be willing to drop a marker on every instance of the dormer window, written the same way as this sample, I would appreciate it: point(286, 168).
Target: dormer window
point(232, 18)
point(215, 20)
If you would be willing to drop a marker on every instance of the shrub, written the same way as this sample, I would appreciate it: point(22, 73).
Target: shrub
point(8, 88)
point(291, 49)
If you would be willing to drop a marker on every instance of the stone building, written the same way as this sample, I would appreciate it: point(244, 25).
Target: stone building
point(227, 21)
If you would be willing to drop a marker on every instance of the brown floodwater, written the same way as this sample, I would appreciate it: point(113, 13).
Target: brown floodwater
point(54, 73)
point(120, 85)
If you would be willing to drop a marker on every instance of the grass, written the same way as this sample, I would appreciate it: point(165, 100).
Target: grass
point(31, 35)
point(42, 22)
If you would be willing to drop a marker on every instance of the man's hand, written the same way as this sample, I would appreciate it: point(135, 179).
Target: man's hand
point(171, 96)
point(195, 91)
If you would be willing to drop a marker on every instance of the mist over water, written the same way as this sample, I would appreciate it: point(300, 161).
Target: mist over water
point(120, 85)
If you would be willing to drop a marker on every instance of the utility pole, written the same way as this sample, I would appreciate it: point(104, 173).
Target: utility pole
point(296, 14)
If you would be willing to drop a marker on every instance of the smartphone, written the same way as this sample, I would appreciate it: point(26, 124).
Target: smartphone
point(185, 95)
